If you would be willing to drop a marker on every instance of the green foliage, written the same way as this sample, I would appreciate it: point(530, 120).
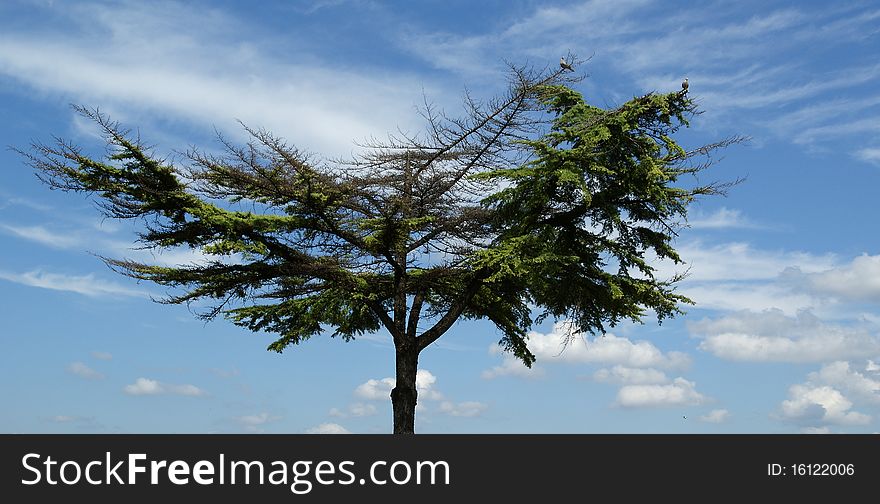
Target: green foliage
point(573, 231)
point(577, 226)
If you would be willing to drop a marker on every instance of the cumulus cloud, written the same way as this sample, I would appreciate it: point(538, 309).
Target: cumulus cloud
point(813, 404)
point(739, 296)
point(146, 386)
point(680, 392)
point(463, 409)
point(716, 416)
point(630, 376)
point(859, 280)
point(772, 336)
point(560, 345)
point(380, 390)
point(375, 390)
point(83, 371)
point(738, 261)
point(328, 428)
point(841, 375)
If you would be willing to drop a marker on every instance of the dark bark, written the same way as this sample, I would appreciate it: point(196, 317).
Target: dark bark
point(404, 395)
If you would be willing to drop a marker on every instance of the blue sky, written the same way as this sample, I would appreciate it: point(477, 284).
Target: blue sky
point(785, 270)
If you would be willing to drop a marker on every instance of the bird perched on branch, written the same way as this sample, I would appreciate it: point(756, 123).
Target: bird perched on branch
point(684, 85)
point(565, 65)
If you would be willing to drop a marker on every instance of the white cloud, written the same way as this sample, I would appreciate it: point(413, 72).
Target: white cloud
point(560, 345)
point(839, 374)
point(375, 390)
point(716, 416)
point(680, 392)
point(630, 376)
point(42, 235)
point(160, 66)
point(225, 373)
point(254, 423)
point(102, 355)
point(362, 409)
point(740, 261)
point(146, 386)
point(354, 410)
point(820, 404)
point(816, 430)
point(723, 218)
point(869, 154)
point(511, 366)
point(328, 428)
point(463, 409)
point(425, 385)
point(858, 280)
point(93, 239)
point(184, 390)
point(84, 371)
point(733, 296)
point(78, 422)
point(87, 285)
point(380, 390)
point(772, 336)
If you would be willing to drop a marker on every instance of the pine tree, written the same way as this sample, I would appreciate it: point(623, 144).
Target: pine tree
point(532, 199)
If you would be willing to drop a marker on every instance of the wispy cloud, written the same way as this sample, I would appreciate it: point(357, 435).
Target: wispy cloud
point(102, 355)
point(158, 66)
point(87, 285)
point(869, 154)
point(510, 366)
point(84, 371)
point(358, 409)
point(87, 423)
point(42, 235)
point(723, 218)
point(463, 409)
point(101, 240)
point(738, 62)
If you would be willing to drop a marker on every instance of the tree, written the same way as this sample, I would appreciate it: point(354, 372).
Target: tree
point(532, 199)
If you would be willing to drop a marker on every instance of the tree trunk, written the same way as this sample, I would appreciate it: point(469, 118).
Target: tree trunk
point(404, 395)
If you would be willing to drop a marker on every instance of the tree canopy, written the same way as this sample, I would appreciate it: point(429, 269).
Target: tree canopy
point(533, 204)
